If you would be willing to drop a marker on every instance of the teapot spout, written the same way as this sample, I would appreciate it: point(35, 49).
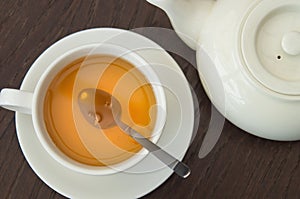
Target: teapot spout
point(162, 4)
point(187, 17)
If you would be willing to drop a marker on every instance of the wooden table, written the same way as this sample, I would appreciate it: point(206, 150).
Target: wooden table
point(240, 166)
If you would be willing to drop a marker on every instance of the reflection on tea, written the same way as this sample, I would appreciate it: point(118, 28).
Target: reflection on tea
point(94, 146)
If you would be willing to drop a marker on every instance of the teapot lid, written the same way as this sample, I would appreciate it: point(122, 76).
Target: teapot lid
point(270, 45)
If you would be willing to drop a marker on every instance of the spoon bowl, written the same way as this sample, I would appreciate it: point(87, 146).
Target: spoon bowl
point(96, 107)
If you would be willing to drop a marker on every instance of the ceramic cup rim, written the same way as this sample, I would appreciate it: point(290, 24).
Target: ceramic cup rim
point(55, 67)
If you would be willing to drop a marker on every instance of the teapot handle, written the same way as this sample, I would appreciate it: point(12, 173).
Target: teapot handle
point(16, 100)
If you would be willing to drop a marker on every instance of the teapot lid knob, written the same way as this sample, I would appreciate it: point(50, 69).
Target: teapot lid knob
point(291, 43)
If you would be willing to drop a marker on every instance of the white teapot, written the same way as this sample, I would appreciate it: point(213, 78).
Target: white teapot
point(248, 58)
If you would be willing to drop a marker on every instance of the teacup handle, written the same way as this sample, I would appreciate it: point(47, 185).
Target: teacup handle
point(16, 100)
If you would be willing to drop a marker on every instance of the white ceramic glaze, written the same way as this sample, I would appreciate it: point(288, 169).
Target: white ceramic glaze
point(246, 46)
point(33, 103)
point(291, 43)
point(175, 138)
point(187, 17)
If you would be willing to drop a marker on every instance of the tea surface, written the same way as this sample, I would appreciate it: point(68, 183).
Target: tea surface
point(73, 135)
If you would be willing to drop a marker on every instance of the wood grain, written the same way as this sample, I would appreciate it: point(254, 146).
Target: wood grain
point(240, 166)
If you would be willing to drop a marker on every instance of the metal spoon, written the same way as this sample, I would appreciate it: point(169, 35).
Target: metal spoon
point(102, 110)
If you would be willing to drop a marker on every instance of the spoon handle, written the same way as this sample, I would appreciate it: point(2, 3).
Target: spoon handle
point(176, 165)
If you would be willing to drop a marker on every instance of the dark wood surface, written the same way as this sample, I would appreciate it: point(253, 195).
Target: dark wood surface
point(240, 166)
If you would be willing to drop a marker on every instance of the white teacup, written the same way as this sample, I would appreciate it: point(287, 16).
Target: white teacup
point(32, 103)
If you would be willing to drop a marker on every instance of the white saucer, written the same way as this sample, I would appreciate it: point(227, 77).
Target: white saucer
point(175, 137)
